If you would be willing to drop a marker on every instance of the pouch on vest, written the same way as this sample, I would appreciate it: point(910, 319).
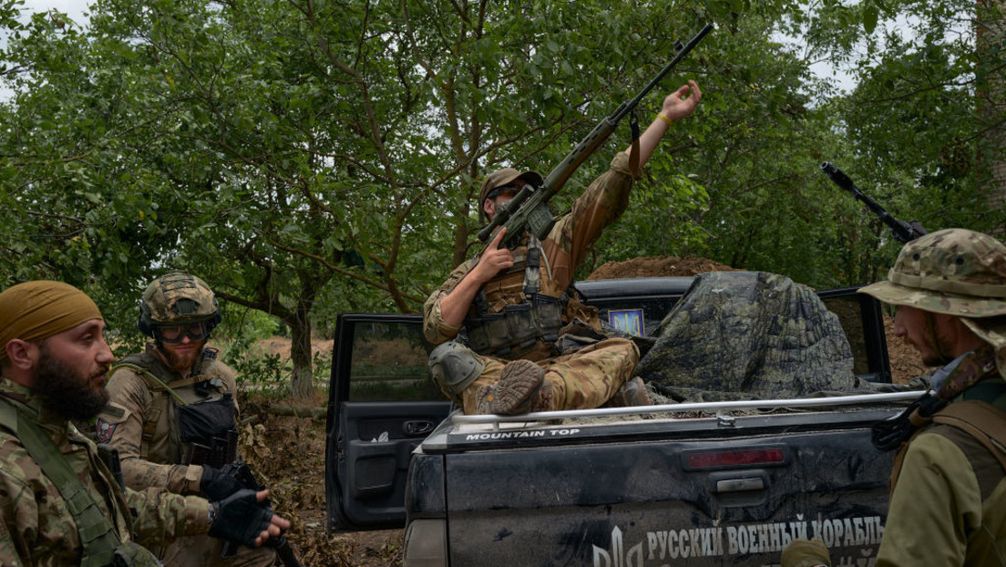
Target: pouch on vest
point(130, 554)
point(208, 427)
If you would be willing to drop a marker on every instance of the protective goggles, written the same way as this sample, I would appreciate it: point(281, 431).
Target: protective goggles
point(174, 334)
point(513, 188)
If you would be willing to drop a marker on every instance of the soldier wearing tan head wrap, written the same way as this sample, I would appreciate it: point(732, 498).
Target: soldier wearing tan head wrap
point(54, 361)
point(40, 309)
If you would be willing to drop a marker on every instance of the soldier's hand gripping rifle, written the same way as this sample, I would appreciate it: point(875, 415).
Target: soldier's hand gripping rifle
point(528, 211)
point(903, 231)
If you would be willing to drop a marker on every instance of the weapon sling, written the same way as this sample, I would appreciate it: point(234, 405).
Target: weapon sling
point(97, 535)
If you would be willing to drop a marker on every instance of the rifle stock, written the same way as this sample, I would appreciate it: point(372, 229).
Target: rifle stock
point(528, 211)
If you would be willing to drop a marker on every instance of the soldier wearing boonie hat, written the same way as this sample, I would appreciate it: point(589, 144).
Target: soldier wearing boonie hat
point(511, 333)
point(948, 489)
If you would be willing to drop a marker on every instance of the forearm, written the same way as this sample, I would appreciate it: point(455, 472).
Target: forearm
point(436, 328)
point(161, 516)
point(180, 479)
point(454, 306)
point(649, 140)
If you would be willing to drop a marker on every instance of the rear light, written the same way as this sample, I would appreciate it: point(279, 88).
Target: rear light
point(699, 460)
point(426, 543)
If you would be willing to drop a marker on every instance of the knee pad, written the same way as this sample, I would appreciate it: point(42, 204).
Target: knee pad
point(454, 366)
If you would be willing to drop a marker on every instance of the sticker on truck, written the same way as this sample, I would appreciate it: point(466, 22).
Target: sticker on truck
point(852, 540)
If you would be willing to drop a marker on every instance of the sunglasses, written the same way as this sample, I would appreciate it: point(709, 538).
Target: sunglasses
point(174, 334)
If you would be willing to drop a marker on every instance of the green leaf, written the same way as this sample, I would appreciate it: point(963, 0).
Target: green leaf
point(870, 15)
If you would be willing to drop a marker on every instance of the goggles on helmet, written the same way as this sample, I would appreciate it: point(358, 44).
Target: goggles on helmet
point(174, 334)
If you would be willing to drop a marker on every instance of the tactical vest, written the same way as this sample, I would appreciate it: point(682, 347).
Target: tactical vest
point(519, 309)
point(980, 414)
point(199, 409)
point(102, 545)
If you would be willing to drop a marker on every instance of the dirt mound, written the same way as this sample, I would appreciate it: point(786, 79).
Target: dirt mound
point(653, 266)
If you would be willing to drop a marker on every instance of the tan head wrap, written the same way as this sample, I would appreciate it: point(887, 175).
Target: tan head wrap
point(37, 310)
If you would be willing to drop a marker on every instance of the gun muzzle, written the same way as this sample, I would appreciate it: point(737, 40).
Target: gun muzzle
point(838, 176)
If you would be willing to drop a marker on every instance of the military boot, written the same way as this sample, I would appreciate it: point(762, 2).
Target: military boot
point(517, 391)
point(632, 393)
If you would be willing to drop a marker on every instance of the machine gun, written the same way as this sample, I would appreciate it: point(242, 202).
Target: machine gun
point(528, 210)
point(243, 474)
point(904, 232)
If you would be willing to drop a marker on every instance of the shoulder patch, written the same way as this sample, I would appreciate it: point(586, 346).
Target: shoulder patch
point(104, 430)
point(111, 416)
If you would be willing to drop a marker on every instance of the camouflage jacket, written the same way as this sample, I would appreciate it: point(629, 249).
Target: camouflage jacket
point(42, 531)
point(564, 249)
point(141, 420)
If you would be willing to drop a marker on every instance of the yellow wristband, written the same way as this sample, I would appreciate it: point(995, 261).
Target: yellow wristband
point(664, 117)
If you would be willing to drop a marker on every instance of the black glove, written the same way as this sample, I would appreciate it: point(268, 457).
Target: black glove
point(240, 518)
point(218, 484)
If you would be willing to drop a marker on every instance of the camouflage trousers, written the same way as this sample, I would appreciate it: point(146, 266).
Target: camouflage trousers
point(584, 379)
point(193, 551)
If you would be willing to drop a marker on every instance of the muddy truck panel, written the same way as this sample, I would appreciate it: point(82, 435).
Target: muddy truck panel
point(713, 492)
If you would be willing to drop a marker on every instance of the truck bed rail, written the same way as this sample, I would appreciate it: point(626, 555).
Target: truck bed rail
point(913, 395)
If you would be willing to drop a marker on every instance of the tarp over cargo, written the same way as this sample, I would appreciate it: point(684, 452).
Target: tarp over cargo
point(748, 335)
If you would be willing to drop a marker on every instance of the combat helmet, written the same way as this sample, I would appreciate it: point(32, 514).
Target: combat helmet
point(177, 298)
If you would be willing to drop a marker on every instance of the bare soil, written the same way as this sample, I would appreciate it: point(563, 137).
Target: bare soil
point(905, 361)
point(654, 266)
point(288, 455)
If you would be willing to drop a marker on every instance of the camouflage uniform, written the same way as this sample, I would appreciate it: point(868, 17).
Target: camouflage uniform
point(42, 531)
point(141, 421)
point(948, 494)
point(585, 378)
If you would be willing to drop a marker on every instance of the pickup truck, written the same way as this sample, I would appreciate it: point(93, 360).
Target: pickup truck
point(717, 483)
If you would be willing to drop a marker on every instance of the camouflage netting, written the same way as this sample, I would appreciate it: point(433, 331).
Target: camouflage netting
point(748, 335)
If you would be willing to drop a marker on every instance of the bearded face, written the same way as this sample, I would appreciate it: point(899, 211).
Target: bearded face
point(75, 393)
point(182, 357)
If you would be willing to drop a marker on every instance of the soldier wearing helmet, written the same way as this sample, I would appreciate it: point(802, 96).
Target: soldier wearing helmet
point(948, 490)
point(173, 415)
point(512, 335)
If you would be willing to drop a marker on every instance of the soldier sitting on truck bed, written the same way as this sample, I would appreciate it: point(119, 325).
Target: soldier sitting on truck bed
point(514, 307)
point(948, 489)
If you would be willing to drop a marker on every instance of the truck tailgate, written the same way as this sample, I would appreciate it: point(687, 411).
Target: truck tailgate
point(701, 493)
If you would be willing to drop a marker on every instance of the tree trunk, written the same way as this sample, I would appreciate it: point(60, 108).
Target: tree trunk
point(460, 244)
point(302, 382)
point(990, 34)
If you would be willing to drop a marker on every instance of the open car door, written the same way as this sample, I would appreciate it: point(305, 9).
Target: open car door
point(382, 404)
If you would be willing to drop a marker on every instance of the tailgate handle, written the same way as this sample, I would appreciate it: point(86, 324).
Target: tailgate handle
point(740, 484)
point(420, 427)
